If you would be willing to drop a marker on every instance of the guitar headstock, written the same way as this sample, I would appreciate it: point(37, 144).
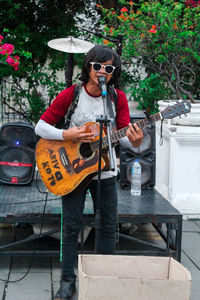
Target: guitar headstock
point(177, 109)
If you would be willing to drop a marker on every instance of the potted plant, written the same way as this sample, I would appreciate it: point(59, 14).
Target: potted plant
point(163, 37)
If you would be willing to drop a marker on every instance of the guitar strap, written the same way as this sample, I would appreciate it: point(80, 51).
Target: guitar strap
point(72, 107)
point(112, 94)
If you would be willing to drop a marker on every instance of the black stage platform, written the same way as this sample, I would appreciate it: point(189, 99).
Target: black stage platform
point(25, 204)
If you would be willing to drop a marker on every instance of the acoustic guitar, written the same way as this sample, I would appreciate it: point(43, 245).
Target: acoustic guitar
point(68, 166)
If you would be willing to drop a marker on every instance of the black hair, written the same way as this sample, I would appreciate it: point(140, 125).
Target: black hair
point(101, 54)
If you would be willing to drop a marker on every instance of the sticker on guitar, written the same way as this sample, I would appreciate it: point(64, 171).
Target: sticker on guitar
point(53, 175)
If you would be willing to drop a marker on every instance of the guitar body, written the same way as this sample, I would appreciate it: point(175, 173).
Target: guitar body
point(67, 166)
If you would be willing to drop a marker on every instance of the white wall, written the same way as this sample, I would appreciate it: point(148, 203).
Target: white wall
point(178, 167)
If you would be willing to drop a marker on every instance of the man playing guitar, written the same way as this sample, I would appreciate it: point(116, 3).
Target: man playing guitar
point(99, 61)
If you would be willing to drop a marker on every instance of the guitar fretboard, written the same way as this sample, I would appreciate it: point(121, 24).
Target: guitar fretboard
point(117, 135)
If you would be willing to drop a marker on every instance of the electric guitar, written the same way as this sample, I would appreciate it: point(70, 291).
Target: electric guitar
point(68, 166)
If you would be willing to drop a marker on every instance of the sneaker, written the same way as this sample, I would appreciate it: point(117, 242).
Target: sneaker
point(66, 290)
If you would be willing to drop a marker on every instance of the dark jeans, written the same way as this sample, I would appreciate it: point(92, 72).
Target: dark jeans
point(72, 221)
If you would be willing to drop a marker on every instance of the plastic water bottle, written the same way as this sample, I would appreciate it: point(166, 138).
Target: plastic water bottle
point(136, 178)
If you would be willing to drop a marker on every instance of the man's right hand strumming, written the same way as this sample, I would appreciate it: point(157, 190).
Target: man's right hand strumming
point(78, 134)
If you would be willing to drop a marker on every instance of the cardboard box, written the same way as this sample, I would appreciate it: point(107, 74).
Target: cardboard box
point(117, 277)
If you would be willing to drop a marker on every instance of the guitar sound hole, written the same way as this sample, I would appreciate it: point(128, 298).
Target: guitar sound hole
point(85, 150)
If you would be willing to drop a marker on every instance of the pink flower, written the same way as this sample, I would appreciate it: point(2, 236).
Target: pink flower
point(7, 49)
point(16, 66)
point(14, 62)
point(3, 52)
point(10, 60)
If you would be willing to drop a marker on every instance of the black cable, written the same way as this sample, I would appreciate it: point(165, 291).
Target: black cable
point(34, 251)
point(191, 259)
point(34, 201)
point(37, 186)
point(36, 245)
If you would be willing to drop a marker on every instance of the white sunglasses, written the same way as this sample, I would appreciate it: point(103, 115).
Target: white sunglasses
point(109, 69)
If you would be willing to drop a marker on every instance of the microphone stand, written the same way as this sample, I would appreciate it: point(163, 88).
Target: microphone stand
point(107, 121)
point(69, 65)
point(103, 120)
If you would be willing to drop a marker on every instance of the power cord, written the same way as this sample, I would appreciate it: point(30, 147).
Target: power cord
point(34, 201)
point(36, 245)
point(191, 259)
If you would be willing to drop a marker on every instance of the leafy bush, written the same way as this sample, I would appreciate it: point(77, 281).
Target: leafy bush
point(163, 37)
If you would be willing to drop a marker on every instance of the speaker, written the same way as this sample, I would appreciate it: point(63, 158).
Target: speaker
point(17, 153)
point(146, 155)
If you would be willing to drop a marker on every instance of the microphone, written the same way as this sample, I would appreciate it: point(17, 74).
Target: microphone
point(102, 85)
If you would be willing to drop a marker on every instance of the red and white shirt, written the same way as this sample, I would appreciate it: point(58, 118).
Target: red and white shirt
point(88, 109)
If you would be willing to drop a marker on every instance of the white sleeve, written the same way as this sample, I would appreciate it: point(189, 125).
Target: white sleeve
point(48, 131)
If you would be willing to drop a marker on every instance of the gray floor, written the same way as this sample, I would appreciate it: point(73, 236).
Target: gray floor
point(42, 280)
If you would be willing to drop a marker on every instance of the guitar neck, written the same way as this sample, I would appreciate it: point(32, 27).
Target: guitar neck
point(117, 135)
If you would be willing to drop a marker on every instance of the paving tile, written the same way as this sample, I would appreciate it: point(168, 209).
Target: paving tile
point(55, 270)
point(37, 285)
point(33, 287)
point(195, 272)
point(197, 222)
point(4, 271)
point(191, 245)
point(21, 265)
point(195, 290)
point(55, 287)
point(1, 289)
point(3, 275)
point(190, 226)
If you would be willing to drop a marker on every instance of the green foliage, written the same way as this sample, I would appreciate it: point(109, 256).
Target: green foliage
point(29, 25)
point(164, 37)
point(149, 91)
point(29, 100)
